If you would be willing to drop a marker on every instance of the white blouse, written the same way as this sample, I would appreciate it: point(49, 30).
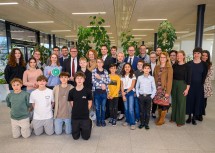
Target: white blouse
point(127, 82)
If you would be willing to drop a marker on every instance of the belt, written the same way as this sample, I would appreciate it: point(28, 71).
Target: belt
point(145, 95)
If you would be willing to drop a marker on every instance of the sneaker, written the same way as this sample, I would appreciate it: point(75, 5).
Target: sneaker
point(140, 126)
point(133, 127)
point(153, 115)
point(137, 121)
point(110, 121)
point(103, 124)
point(114, 122)
point(121, 117)
point(98, 124)
point(125, 124)
point(147, 127)
point(188, 120)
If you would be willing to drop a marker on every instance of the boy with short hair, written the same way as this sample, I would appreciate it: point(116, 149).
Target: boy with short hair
point(80, 98)
point(145, 90)
point(62, 110)
point(114, 88)
point(42, 101)
point(88, 74)
point(18, 101)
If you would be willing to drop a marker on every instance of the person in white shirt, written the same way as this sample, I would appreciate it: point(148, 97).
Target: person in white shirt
point(42, 101)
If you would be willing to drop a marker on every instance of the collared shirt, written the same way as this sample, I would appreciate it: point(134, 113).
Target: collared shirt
point(132, 59)
point(146, 85)
point(76, 64)
point(104, 57)
point(145, 58)
point(65, 57)
point(153, 67)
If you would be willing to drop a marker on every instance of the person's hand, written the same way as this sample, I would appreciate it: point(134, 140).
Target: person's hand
point(123, 93)
point(97, 76)
point(103, 86)
point(49, 72)
point(185, 92)
point(124, 98)
point(35, 85)
point(166, 95)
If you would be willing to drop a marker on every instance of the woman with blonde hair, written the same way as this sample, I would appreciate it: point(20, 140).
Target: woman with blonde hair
point(180, 88)
point(53, 71)
point(91, 56)
point(163, 74)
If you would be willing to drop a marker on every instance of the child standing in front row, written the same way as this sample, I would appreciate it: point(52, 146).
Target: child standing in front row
point(113, 96)
point(18, 101)
point(145, 90)
point(128, 80)
point(42, 101)
point(62, 112)
point(80, 98)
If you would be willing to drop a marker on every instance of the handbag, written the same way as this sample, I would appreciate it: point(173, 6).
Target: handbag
point(160, 98)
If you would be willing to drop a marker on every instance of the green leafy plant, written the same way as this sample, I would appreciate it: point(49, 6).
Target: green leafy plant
point(166, 36)
point(95, 35)
point(2, 79)
point(127, 40)
point(45, 52)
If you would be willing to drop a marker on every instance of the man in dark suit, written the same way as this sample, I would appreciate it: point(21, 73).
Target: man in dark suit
point(71, 65)
point(133, 60)
point(107, 59)
point(65, 54)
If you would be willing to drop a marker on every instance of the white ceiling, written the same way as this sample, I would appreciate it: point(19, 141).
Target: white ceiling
point(181, 13)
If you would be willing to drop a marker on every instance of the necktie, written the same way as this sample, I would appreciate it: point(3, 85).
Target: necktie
point(130, 60)
point(73, 67)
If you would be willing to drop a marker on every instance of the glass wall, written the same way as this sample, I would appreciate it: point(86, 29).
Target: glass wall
point(3, 47)
point(44, 40)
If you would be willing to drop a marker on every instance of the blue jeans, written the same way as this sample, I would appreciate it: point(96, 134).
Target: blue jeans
point(136, 108)
point(58, 123)
point(129, 108)
point(100, 102)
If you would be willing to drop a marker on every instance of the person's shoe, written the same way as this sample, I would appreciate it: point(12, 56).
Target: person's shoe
point(110, 121)
point(162, 118)
point(188, 120)
point(121, 117)
point(103, 124)
point(98, 124)
point(114, 122)
point(194, 122)
point(147, 127)
point(200, 118)
point(153, 115)
point(133, 127)
point(137, 121)
point(125, 124)
point(140, 126)
point(179, 125)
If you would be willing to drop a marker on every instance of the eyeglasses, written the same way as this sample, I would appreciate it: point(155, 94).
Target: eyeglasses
point(73, 51)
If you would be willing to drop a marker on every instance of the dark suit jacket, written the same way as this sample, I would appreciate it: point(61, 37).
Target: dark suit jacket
point(134, 64)
point(61, 61)
point(108, 61)
point(67, 67)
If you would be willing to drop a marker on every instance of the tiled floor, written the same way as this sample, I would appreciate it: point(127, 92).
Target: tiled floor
point(165, 139)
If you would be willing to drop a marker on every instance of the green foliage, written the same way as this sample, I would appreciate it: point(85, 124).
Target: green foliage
point(2, 80)
point(166, 36)
point(96, 34)
point(127, 40)
point(45, 52)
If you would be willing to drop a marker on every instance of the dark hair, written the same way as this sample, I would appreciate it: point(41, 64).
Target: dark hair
point(12, 58)
point(64, 74)
point(112, 65)
point(114, 47)
point(142, 45)
point(173, 51)
point(80, 74)
point(131, 46)
point(104, 45)
point(141, 61)
point(146, 65)
point(131, 73)
point(208, 62)
point(197, 49)
point(41, 78)
point(64, 47)
point(16, 80)
point(32, 58)
point(56, 47)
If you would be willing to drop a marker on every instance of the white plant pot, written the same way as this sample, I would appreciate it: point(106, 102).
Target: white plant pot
point(4, 91)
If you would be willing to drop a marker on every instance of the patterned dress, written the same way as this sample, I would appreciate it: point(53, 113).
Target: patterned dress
point(207, 85)
point(160, 94)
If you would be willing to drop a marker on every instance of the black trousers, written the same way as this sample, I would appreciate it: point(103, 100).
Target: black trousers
point(81, 127)
point(145, 108)
point(113, 107)
point(154, 107)
point(121, 105)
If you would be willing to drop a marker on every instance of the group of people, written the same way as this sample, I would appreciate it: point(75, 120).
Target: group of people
point(62, 91)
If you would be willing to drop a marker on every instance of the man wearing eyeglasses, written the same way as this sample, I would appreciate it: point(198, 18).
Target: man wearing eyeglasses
point(71, 65)
point(133, 60)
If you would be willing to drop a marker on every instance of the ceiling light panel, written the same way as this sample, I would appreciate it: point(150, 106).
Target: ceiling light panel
point(143, 29)
point(89, 13)
point(9, 3)
point(151, 19)
point(60, 30)
point(40, 22)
